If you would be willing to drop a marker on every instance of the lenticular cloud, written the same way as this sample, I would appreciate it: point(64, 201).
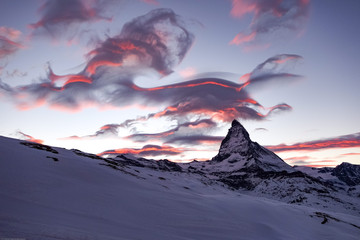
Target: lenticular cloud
point(157, 41)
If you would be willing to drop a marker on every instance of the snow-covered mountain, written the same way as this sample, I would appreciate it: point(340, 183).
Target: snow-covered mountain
point(245, 165)
point(345, 176)
point(54, 193)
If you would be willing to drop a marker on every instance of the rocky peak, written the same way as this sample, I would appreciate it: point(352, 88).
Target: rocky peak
point(348, 173)
point(237, 151)
point(237, 140)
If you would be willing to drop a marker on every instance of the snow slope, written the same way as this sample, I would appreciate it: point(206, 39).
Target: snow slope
point(54, 193)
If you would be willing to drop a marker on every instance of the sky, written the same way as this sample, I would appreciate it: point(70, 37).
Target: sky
point(163, 79)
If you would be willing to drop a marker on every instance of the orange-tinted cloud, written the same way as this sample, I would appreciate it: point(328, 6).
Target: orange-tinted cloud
point(147, 150)
point(242, 38)
point(30, 138)
point(350, 154)
point(346, 141)
point(320, 165)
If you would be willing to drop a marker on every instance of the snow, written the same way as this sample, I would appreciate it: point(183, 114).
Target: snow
point(315, 172)
point(77, 198)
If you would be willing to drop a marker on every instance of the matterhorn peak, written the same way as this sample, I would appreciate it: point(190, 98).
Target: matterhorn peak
point(235, 123)
point(239, 151)
point(237, 140)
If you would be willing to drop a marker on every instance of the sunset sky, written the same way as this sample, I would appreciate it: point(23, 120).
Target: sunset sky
point(165, 78)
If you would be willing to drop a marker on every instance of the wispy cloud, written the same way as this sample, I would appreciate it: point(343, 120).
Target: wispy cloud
point(345, 141)
point(269, 16)
point(9, 43)
point(151, 2)
point(108, 77)
point(350, 154)
point(154, 44)
point(29, 138)
point(261, 129)
point(146, 151)
point(61, 18)
point(298, 158)
point(196, 139)
point(109, 74)
point(175, 132)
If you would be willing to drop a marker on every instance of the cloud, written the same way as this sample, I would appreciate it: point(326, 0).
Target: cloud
point(151, 2)
point(211, 101)
point(261, 129)
point(242, 38)
point(108, 130)
point(62, 17)
point(309, 162)
point(320, 165)
point(269, 16)
point(350, 154)
point(187, 72)
point(345, 141)
point(272, 69)
point(29, 138)
point(110, 72)
point(15, 73)
point(146, 151)
point(181, 129)
point(299, 158)
point(157, 40)
point(196, 139)
point(8, 41)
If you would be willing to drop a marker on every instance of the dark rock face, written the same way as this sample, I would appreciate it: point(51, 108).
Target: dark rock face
point(236, 141)
point(89, 155)
point(348, 173)
point(238, 149)
point(40, 147)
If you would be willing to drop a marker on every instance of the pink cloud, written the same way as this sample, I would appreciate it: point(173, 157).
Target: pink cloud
point(30, 138)
point(346, 141)
point(268, 17)
point(187, 72)
point(241, 38)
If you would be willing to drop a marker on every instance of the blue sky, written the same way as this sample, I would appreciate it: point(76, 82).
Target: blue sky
point(302, 58)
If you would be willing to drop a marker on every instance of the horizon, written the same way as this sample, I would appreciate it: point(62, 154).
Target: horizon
point(164, 80)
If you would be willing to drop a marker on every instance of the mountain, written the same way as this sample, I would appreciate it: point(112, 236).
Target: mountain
point(345, 176)
point(242, 164)
point(245, 192)
point(348, 173)
point(238, 151)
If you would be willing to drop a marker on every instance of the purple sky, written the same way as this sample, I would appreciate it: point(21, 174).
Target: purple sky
point(164, 79)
